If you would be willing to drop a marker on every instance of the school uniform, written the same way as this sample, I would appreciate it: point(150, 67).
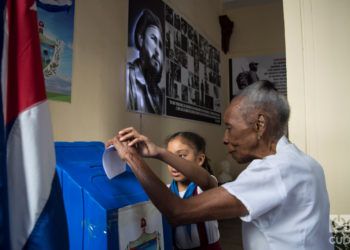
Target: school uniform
point(203, 235)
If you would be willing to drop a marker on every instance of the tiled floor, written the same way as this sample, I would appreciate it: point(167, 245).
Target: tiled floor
point(230, 234)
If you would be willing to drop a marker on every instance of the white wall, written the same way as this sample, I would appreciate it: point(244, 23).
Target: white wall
point(259, 29)
point(97, 110)
point(318, 52)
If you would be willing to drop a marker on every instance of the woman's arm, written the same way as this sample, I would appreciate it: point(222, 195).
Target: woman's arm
point(147, 148)
point(216, 203)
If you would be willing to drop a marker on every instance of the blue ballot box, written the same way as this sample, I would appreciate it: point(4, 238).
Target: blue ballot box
point(93, 203)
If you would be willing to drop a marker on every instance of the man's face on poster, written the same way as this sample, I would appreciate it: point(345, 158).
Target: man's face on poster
point(152, 50)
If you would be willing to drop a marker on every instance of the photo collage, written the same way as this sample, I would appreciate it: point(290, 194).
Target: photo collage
point(192, 71)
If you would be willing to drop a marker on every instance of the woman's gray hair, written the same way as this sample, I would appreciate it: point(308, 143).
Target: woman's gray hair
point(263, 96)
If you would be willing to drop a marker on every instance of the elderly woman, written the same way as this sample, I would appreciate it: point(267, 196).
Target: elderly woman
point(281, 196)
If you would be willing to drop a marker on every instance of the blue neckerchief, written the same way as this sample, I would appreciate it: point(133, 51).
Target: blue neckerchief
point(189, 192)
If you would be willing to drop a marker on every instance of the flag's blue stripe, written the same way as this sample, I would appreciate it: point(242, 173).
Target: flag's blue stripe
point(51, 229)
point(4, 223)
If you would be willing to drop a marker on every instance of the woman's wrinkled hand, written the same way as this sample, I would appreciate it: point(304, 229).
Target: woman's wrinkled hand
point(142, 144)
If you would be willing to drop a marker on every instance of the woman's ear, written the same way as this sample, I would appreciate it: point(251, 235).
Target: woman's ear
point(200, 159)
point(260, 125)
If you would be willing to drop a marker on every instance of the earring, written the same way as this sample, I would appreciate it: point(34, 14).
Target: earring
point(258, 137)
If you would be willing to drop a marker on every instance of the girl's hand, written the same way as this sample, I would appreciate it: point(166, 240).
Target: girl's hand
point(143, 145)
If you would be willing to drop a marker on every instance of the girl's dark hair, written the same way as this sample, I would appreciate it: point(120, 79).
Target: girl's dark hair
point(197, 141)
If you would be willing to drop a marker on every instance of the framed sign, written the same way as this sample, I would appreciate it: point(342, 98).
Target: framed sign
point(247, 70)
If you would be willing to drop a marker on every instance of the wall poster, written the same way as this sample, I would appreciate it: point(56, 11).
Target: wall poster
point(247, 70)
point(56, 25)
point(172, 69)
point(140, 226)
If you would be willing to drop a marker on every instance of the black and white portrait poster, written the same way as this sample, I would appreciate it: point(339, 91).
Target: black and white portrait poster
point(145, 83)
point(172, 69)
point(247, 70)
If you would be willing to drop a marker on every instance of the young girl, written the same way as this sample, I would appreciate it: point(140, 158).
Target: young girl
point(188, 182)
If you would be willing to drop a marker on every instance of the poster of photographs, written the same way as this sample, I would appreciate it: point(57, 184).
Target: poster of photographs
point(247, 70)
point(172, 69)
point(192, 72)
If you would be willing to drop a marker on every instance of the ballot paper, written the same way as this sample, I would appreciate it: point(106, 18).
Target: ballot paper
point(112, 164)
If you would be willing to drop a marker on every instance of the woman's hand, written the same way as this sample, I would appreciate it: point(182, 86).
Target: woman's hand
point(122, 148)
point(143, 145)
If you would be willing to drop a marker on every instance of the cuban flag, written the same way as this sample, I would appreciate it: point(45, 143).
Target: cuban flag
point(32, 211)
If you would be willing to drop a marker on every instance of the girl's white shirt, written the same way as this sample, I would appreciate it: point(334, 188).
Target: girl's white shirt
point(183, 240)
